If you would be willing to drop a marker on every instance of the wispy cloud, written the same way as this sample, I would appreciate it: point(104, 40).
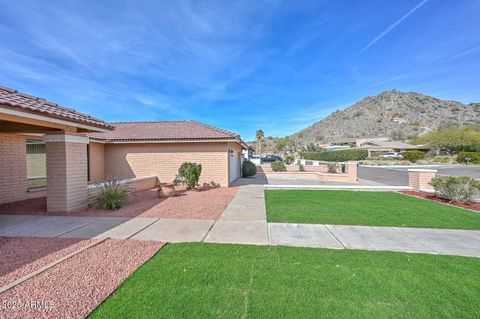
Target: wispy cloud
point(393, 26)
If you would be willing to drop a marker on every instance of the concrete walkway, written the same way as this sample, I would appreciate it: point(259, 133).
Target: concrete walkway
point(244, 221)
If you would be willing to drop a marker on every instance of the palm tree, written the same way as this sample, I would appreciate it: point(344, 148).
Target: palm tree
point(260, 136)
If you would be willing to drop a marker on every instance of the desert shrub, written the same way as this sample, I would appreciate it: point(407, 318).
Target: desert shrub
point(289, 159)
point(452, 139)
point(332, 168)
point(301, 168)
point(413, 156)
point(458, 189)
point(279, 166)
point(188, 175)
point(248, 169)
point(336, 156)
point(474, 157)
point(113, 195)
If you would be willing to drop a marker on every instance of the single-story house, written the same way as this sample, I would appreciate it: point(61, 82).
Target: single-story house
point(59, 151)
point(376, 148)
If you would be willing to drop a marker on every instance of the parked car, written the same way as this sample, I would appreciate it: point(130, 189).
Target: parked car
point(271, 159)
point(392, 155)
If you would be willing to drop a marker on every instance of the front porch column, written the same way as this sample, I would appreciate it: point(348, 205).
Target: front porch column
point(66, 172)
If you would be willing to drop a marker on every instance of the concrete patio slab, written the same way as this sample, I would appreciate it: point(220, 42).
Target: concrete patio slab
point(96, 229)
point(244, 213)
point(51, 226)
point(239, 232)
point(128, 228)
point(248, 201)
point(176, 230)
point(377, 238)
point(447, 241)
point(302, 235)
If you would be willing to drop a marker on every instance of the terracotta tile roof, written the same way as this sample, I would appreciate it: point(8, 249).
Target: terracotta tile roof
point(164, 131)
point(15, 100)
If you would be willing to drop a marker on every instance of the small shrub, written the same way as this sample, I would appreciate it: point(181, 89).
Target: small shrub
point(248, 169)
point(413, 156)
point(289, 159)
point(279, 166)
point(458, 189)
point(336, 156)
point(301, 168)
point(474, 157)
point(112, 196)
point(188, 175)
point(332, 168)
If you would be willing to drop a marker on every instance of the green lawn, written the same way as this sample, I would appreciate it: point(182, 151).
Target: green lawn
point(364, 208)
point(233, 281)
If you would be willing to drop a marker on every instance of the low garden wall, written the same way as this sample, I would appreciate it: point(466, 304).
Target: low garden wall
point(132, 184)
point(317, 172)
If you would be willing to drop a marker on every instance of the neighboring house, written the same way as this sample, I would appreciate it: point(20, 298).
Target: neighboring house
point(358, 141)
point(376, 149)
point(42, 143)
point(139, 149)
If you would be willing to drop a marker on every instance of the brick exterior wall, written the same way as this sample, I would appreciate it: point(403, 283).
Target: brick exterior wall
point(97, 162)
point(124, 161)
point(133, 185)
point(66, 176)
point(13, 168)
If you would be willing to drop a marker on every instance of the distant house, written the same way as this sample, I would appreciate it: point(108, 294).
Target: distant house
point(357, 141)
point(376, 149)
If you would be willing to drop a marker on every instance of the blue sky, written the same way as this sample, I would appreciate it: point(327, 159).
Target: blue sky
point(239, 65)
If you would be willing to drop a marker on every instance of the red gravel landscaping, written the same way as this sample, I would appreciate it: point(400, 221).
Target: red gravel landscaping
point(73, 288)
point(471, 206)
point(195, 204)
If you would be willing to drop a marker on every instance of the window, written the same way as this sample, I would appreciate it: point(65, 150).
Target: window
point(36, 164)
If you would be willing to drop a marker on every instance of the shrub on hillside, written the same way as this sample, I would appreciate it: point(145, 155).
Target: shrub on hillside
point(413, 156)
point(188, 175)
point(248, 169)
point(112, 196)
point(458, 189)
point(336, 156)
point(473, 156)
point(279, 166)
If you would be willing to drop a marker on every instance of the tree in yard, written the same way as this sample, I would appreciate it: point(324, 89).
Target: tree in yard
point(260, 136)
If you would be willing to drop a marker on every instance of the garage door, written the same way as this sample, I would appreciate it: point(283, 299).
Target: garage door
point(234, 158)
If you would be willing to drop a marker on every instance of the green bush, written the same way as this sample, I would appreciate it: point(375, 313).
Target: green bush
point(474, 156)
point(279, 166)
point(458, 189)
point(248, 169)
point(188, 175)
point(301, 168)
point(112, 196)
point(332, 168)
point(336, 156)
point(413, 156)
point(289, 159)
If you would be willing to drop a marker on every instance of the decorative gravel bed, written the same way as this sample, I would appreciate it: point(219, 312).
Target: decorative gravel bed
point(195, 204)
point(22, 255)
point(73, 288)
point(471, 206)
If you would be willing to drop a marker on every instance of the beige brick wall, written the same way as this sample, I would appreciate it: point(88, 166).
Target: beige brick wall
point(163, 160)
point(418, 179)
point(13, 168)
point(132, 185)
point(97, 162)
point(66, 176)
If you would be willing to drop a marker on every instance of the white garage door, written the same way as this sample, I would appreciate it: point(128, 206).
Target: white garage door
point(233, 165)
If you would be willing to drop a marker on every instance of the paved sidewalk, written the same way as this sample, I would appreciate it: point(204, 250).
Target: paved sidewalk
point(244, 221)
point(416, 240)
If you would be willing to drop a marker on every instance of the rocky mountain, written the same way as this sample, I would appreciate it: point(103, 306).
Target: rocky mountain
point(395, 114)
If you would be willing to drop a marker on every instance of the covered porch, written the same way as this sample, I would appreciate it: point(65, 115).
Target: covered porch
point(58, 169)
